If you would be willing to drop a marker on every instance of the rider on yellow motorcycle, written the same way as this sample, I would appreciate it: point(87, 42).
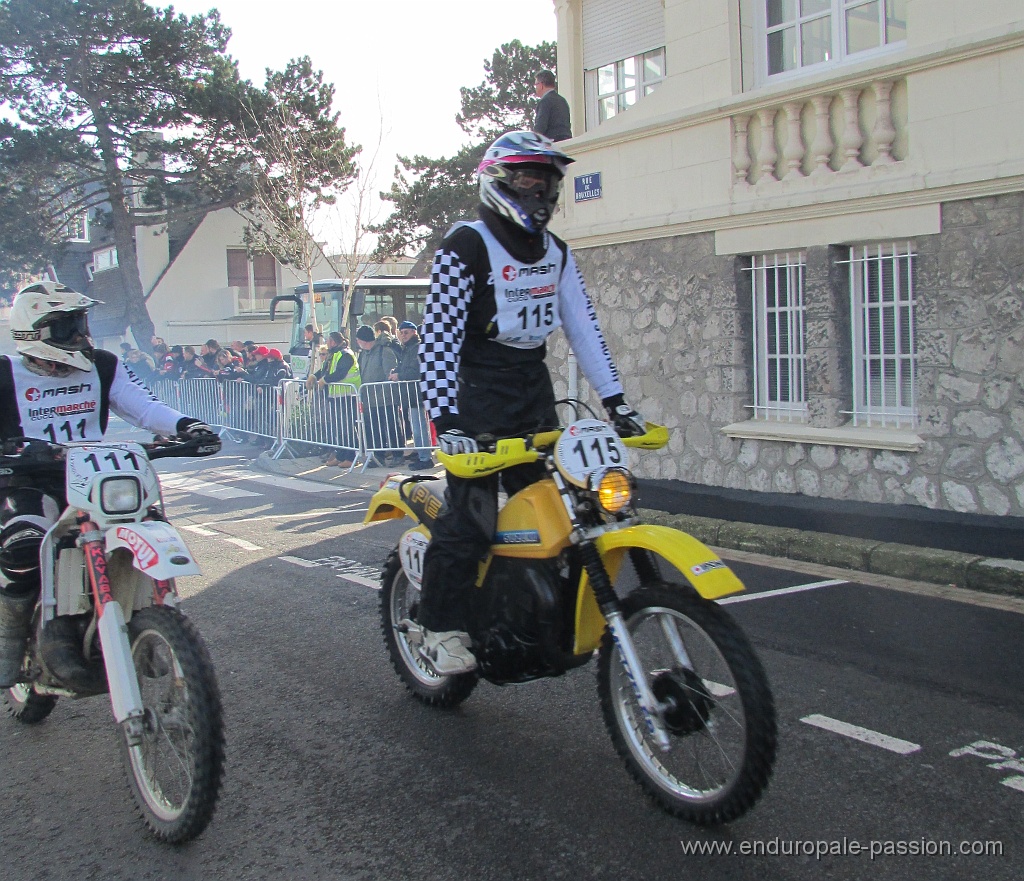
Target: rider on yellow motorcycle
point(499, 287)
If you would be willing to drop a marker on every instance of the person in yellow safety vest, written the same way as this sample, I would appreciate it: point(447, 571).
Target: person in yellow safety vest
point(340, 372)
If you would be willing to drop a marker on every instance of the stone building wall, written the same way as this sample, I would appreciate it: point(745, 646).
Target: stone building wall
point(678, 321)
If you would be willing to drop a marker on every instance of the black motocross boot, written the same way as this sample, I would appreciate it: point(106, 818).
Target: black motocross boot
point(15, 621)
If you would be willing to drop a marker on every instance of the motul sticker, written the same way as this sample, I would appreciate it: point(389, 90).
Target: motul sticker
point(142, 549)
point(704, 568)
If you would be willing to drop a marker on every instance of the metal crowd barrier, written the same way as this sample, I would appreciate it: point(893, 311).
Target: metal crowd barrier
point(378, 421)
point(394, 420)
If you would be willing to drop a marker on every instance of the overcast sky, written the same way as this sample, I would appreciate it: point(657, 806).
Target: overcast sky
point(410, 56)
point(400, 60)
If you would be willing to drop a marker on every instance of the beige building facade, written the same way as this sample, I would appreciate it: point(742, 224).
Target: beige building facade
point(802, 222)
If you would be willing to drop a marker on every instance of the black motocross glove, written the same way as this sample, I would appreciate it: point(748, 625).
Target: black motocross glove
point(627, 422)
point(195, 429)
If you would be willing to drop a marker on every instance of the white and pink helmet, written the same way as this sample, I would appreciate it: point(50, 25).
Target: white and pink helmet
point(520, 177)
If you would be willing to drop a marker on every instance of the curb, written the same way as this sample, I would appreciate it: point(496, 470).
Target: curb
point(954, 568)
point(931, 565)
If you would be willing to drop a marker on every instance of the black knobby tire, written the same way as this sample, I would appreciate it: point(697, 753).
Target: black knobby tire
point(27, 707)
point(721, 724)
point(397, 601)
point(175, 772)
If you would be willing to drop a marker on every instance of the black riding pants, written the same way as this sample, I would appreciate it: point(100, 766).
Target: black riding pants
point(504, 403)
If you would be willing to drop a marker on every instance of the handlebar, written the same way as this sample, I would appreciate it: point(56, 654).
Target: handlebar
point(33, 454)
point(497, 454)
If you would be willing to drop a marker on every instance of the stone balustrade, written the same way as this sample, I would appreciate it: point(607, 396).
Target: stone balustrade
point(820, 137)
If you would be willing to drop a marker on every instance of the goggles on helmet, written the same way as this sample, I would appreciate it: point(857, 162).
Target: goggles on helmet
point(66, 330)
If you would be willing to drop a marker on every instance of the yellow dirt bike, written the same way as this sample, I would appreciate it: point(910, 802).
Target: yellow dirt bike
point(684, 697)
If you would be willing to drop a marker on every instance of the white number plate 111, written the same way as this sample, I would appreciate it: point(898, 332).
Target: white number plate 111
point(587, 446)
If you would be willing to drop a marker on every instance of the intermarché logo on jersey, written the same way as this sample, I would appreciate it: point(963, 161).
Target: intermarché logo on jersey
point(510, 273)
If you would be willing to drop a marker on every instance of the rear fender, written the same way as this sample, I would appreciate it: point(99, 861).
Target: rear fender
point(387, 504)
point(702, 568)
point(156, 548)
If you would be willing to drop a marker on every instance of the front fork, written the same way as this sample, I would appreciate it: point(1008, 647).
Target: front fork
point(653, 711)
point(125, 696)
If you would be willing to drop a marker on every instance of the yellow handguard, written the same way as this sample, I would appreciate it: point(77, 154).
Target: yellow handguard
point(654, 438)
point(518, 451)
point(508, 452)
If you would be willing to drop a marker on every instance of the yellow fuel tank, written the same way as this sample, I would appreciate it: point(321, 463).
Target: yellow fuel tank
point(533, 524)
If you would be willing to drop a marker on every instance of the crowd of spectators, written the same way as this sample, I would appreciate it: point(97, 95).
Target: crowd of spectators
point(240, 361)
point(386, 352)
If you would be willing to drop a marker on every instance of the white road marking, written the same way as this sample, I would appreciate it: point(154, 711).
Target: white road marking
point(343, 568)
point(296, 483)
point(1014, 783)
point(768, 594)
point(298, 561)
point(205, 488)
point(242, 543)
point(365, 582)
point(864, 735)
point(200, 530)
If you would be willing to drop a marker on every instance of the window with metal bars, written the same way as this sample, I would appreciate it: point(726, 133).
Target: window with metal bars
point(780, 390)
point(884, 351)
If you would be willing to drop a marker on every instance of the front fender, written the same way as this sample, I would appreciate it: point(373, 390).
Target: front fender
point(698, 564)
point(156, 548)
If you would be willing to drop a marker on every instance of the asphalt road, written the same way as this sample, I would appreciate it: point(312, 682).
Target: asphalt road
point(900, 715)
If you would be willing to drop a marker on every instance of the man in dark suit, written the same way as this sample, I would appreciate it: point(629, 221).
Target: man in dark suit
point(552, 116)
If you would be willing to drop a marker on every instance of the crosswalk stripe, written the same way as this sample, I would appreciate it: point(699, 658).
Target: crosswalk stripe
point(205, 488)
point(200, 530)
point(242, 543)
point(295, 483)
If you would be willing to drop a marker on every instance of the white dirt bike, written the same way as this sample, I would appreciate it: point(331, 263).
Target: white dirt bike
point(107, 620)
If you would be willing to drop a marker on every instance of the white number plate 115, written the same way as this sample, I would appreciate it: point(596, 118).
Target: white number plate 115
point(587, 446)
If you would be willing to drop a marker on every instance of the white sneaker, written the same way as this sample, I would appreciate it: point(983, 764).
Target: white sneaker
point(448, 652)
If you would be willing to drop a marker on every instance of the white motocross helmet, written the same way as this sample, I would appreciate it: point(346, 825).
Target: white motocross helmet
point(49, 322)
point(520, 177)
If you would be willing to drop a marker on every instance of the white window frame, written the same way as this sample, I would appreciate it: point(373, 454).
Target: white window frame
point(780, 385)
point(838, 11)
point(74, 235)
point(104, 259)
point(640, 88)
point(884, 342)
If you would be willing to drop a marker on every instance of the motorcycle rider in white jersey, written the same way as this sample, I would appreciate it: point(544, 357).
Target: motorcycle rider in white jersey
point(61, 389)
point(499, 287)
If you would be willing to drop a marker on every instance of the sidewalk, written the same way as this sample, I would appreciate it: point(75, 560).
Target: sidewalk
point(877, 557)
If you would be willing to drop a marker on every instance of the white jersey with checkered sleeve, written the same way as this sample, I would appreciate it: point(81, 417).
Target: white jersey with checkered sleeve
point(464, 319)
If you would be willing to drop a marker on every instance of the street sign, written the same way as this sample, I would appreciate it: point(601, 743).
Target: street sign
point(587, 186)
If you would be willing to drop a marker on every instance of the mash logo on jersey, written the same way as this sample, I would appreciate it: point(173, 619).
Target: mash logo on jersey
point(32, 394)
point(509, 273)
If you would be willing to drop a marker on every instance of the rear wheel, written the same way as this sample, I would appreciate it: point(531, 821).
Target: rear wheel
point(717, 707)
point(175, 767)
point(398, 601)
point(27, 707)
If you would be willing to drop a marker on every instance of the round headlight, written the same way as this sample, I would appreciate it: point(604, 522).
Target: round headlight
point(120, 495)
point(614, 489)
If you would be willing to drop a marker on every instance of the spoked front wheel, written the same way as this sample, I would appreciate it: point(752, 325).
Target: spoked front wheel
point(398, 601)
point(175, 767)
point(716, 706)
